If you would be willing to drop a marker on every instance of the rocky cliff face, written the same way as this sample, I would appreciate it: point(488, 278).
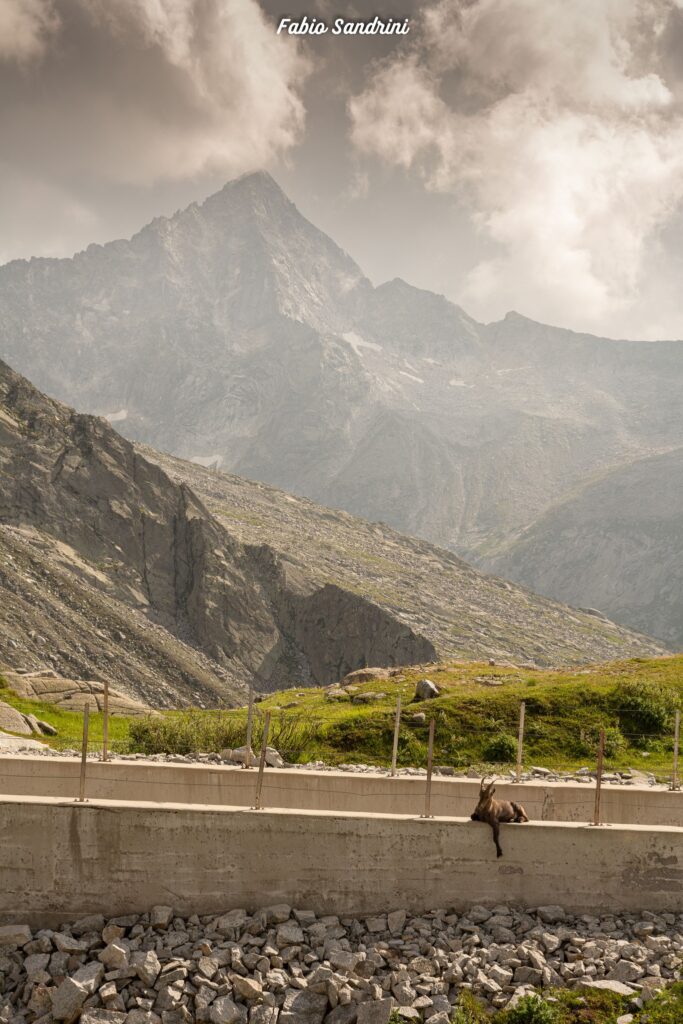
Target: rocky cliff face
point(94, 523)
point(238, 335)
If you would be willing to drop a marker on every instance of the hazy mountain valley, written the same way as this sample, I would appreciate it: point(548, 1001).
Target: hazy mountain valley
point(237, 335)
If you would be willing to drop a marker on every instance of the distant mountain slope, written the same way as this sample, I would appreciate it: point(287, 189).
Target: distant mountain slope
point(616, 544)
point(462, 612)
point(237, 334)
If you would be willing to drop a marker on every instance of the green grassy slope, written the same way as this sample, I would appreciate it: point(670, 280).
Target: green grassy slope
point(476, 717)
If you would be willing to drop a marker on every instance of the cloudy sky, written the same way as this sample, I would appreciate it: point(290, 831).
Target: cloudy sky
point(512, 154)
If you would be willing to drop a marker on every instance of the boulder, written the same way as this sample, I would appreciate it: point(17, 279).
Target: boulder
point(365, 675)
point(12, 720)
point(425, 689)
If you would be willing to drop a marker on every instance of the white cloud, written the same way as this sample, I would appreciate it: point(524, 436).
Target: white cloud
point(25, 28)
point(135, 91)
point(555, 122)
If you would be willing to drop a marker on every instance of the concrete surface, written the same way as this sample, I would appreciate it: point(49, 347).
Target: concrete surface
point(60, 860)
point(330, 791)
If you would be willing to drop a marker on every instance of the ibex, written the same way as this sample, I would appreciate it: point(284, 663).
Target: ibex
point(493, 812)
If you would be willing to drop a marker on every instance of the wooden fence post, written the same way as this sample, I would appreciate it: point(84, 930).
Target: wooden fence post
point(105, 722)
point(430, 758)
point(520, 741)
point(262, 763)
point(84, 754)
point(598, 780)
point(250, 712)
point(677, 736)
point(397, 726)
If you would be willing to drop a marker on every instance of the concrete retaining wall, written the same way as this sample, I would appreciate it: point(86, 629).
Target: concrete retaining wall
point(334, 791)
point(60, 860)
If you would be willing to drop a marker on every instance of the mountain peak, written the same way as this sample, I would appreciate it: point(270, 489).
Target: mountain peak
point(256, 188)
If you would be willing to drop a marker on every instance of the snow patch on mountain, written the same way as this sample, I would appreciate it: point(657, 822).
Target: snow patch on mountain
point(207, 461)
point(357, 343)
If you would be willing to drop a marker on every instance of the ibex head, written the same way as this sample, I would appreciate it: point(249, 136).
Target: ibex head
point(486, 791)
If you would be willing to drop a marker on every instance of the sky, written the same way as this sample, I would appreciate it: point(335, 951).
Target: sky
point(511, 154)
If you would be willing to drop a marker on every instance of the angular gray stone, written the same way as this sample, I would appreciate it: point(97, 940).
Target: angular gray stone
point(289, 934)
point(377, 1012)
point(303, 1007)
point(626, 971)
point(160, 917)
point(67, 1000)
point(263, 1014)
point(90, 976)
point(235, 920)
point(116, 955)
point(607, 986)
point(343, 960)
point(147, 966)
point(225, 1010)
point(15, 935)
point(66, 943)
point(347, 1014)
point(277, 914)
point(551, 914)
point(396, 921)
point(36, 965)
point(248, 988)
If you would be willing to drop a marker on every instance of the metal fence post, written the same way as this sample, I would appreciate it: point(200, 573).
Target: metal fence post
point(250, 712)
point(430, 758)
point(520, 741)
point(677, 735)
point(84, 754)
point(262, 763)
point(105, 722)
point(598, 781)
point(397, 726)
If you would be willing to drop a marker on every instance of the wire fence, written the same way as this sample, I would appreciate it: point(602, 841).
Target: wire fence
point(263, 729)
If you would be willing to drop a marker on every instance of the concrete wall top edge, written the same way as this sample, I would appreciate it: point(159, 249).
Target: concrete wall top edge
point(323, 815)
